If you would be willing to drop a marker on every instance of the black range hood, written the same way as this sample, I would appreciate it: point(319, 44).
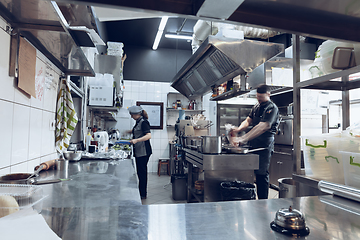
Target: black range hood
point(220, 59)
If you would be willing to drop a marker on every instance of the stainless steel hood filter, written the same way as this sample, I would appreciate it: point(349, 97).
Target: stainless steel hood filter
point(220, 59)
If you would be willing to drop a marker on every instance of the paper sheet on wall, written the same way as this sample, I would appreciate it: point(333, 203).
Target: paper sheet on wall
point(153, 113)
point(27, 67)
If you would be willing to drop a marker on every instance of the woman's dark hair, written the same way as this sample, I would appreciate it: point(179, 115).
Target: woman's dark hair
point(262, 89)
point(144, 114)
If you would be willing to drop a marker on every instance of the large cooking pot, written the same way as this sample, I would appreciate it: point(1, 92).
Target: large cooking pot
point(189, 141)
point(211, 144)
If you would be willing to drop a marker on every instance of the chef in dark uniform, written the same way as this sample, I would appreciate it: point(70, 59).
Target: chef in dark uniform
point(141, 145)
point(264, 119)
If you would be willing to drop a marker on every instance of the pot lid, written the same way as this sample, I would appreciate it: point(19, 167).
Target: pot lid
point(290, 218)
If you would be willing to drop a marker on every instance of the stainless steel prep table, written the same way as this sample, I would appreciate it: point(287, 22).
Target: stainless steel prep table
point(86, 209)
point(219, 168)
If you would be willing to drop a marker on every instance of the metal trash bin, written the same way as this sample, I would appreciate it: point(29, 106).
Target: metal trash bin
point(237, 190)
point(179, 186)
point(287, 188)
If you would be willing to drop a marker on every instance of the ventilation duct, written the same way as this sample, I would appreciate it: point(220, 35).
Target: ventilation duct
point(202, 29)
point(220, 59)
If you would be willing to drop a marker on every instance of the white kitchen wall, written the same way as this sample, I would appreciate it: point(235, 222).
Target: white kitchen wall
point(146, 91)
point(149, 92)
point(27, 138)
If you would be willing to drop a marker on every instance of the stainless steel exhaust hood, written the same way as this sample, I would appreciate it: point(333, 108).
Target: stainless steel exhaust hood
point(220, 59)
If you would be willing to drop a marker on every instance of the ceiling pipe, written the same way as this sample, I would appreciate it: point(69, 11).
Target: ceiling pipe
point(202, 29)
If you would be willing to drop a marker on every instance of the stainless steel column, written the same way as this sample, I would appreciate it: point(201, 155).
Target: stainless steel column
point(345, 105)
point(296, 100)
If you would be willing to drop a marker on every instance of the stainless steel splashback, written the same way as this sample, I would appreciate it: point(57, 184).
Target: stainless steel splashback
point(220, 59)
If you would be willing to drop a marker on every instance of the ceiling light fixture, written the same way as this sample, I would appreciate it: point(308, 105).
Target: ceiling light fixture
point(177, 36)
point(160, 32)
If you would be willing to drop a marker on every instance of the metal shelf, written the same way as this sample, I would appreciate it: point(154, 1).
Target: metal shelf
point(186, 110)
point(332, 82)
point(229, 94)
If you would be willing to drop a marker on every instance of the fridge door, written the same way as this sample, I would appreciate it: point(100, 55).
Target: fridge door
point(231, 114)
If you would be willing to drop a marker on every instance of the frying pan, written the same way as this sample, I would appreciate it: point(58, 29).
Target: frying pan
point(23, 178)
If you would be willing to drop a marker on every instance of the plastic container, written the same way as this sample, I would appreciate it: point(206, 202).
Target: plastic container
point(322, 158)
point(351, 162)
point(179, 186)
point(25, 195)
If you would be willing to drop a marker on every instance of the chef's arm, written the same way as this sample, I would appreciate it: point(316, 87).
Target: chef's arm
point(256, 131)
point(244, 125)
point(141, 139)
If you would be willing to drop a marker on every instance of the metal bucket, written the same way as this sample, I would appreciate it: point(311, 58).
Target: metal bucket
point(287, 188)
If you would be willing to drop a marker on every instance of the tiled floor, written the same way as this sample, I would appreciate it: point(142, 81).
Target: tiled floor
point(160, 191)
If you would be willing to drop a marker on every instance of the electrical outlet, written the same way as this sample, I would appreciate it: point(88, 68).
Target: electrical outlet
point(52, 124)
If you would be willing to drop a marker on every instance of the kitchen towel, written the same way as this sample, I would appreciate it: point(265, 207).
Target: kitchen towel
point(66, 118)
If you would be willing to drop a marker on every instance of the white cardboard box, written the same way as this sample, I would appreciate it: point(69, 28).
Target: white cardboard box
point(101, 96)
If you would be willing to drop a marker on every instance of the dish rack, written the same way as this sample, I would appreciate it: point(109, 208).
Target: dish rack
point(25, 195)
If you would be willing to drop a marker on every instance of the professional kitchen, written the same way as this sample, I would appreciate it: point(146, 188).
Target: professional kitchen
point(188, 119)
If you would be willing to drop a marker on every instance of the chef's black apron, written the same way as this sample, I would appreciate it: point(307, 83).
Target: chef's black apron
point(264, 112)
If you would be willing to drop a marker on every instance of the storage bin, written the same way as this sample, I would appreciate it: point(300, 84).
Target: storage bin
point(322, 158)
point(351, 162)
point(25, 195)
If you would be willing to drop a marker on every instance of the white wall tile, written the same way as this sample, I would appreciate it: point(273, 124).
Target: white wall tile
point(6, 120)
point(4, 171)
point(151, 87)
point(7, 90)
point(156, 144)
point(134, 96)
point(155, 134)
point(35, 133)
point(20, 134)
point(165, 87)
point(19, 168)
point(21, 97)
point(32, 164)
point(139, 86)
point(47, 135)
point(164, 142)
point(163, 134)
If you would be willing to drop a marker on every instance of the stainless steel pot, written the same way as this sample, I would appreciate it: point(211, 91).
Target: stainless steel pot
point(211, 144)
point(191, 141)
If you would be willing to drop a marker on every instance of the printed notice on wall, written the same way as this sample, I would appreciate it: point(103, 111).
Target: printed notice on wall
point(153, 113)
point(27, 66)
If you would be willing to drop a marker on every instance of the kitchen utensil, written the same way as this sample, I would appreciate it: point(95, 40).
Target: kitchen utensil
point(241, 150)
point(49, 181)
point(211, 144)
point(47, 165)
point(36, 172)
point(23, 178)
point(290, 221)
point(73, 156)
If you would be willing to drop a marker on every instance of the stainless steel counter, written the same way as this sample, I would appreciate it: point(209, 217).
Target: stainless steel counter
point(96, 205)
point(218, 168)
point(97, 183)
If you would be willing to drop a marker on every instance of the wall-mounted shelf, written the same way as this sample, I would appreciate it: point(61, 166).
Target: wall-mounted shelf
point(229, 94)
point(106, 113)
point(186, 110)
point(332, 81)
